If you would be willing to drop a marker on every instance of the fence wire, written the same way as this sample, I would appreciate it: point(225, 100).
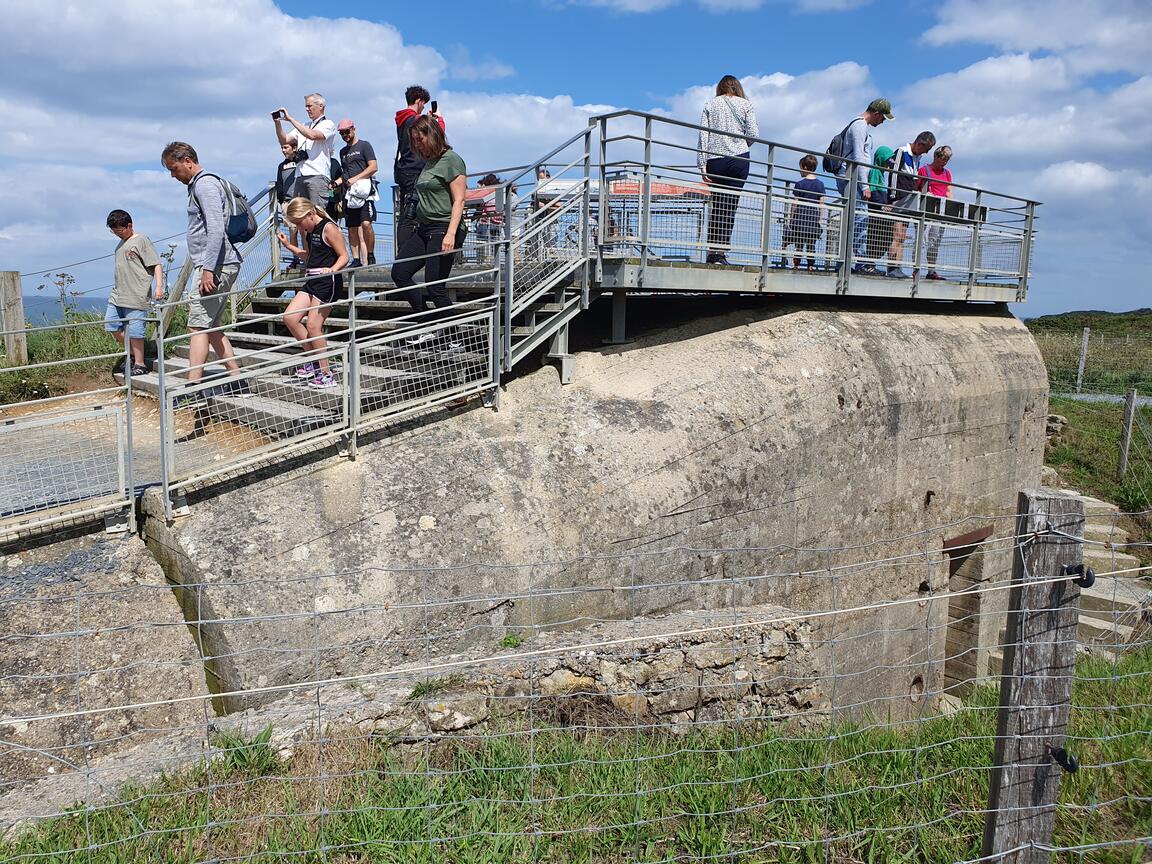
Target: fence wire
point(686, 704)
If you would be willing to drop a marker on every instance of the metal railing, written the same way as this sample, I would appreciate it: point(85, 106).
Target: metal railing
point(627, 188)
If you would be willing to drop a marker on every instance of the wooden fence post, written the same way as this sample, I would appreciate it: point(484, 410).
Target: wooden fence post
point(12, 304)
point(1083, 358)
point(1126, 435)
point(1036, 682)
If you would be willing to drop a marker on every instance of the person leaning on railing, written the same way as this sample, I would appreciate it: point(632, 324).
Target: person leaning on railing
point(324, 253)
point(440, 192)
point(939, 182)
point(724, 150)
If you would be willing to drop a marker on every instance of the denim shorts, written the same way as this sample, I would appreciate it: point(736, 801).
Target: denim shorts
point(114, 323)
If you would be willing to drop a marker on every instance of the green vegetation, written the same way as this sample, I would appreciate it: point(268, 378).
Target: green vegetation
point(252, 756)
point(1136, 322)
point(1087, 454)
point(512, 640)
point(886, 794)
point(433, 686)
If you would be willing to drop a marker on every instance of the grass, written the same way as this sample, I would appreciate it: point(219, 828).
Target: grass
point(512, 640)
point(881, 793)
point(1087, 455)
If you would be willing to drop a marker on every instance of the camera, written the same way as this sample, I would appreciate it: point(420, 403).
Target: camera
point(277, 115)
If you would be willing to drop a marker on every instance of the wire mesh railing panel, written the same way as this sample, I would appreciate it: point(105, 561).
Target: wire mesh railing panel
point(223, 421)
point(429, 364)
point(63, 463)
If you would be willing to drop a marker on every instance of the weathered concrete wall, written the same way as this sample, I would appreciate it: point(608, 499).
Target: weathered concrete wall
point(88, 624)
point(789, 430)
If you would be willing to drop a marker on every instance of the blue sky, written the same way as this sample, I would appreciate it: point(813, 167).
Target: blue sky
point(1050, 99)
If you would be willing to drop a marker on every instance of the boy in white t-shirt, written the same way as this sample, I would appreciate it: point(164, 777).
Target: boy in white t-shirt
point(137, 271)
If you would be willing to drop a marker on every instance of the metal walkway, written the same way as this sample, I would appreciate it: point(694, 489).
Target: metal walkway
point(623, 210)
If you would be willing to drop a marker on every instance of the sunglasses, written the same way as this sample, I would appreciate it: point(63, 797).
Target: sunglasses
point(345, 132)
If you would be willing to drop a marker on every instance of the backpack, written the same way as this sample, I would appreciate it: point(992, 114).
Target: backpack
point(240, 224)
point(833, 161)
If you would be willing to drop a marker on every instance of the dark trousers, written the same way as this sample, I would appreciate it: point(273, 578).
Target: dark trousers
point(879, 232)
point(727, 172)
point(423, 240)
point(405, 225)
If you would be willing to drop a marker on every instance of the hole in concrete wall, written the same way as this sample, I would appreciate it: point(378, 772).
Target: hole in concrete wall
point(916, 689)
point(928, 496)
point(840, 399)
point(859, 403)
point(925, 588)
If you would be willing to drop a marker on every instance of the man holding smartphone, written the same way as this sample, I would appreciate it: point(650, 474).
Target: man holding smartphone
point(317, 141)
point(408, 163)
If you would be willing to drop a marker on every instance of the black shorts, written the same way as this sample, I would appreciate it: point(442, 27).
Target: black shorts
point(325, 288)
point(355, 217)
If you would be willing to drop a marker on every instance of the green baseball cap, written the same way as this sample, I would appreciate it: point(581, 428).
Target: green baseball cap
point(881, 106)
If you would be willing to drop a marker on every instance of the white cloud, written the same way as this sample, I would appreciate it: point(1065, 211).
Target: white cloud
point(1093, 35)
point(462, 67)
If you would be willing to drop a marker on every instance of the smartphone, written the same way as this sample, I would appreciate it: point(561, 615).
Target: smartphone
point(433, 103)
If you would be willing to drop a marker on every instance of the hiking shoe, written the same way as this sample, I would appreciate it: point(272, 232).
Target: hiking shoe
point(356, 262)
point(455, 347)
point(934, 276)
point(897, 273)
point(239, 387)
point(137, 371)
point(322, 382)
point(371, 259)
point(866, 270)
point(306, 372)
point(422, 339)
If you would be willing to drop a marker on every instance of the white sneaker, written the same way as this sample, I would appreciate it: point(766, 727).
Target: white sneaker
point(422, 339)
point(455, 348)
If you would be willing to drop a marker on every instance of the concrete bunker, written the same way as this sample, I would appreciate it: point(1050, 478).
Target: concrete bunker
point(787, 437)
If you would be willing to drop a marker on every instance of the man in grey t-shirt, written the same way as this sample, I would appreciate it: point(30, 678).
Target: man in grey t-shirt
point(217, 263)
point(137, 273)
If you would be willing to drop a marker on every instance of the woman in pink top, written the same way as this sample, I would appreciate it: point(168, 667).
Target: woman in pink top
point(939, 183)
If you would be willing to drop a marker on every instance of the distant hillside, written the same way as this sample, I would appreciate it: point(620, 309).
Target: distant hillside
point(1136, 321)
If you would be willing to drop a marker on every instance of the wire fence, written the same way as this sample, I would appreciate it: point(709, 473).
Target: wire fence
point(1096, 361)
point(677, 705)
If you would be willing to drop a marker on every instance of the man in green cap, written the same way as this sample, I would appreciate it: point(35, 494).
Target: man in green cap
point(857, 147)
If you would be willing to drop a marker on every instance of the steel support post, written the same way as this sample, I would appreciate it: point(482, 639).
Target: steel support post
point(603, 197)
point(129, 450)
point(645, 203)
point(918, 248)
point(1026, 252)
point(586, 219)
point(766, 222)
point(352, 374)
point(848, 234)
point(509, 283)
point(166, 455)
point(974, 251)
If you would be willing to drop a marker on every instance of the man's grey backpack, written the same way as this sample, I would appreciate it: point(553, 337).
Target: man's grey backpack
point(240, 224)
point(833, 161)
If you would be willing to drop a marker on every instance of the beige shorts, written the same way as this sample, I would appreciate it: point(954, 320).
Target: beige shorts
point(205, 310)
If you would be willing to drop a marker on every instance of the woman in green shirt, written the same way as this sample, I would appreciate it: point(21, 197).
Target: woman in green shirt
point(439, 220)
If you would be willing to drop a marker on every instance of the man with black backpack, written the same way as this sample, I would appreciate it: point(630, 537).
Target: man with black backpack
point(212, 205)
point(854, 144)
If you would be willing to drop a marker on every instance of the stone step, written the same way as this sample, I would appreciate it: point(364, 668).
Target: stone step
point(1104, 532)
point(1108, 560)
point(1110, 595)
point(1093, 631)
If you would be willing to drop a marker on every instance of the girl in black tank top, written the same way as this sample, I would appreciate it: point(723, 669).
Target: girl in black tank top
point(325, 252)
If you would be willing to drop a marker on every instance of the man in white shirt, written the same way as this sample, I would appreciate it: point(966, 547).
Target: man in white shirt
point(317, 141)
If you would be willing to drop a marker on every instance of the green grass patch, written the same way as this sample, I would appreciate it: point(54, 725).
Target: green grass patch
point(867, 793)
point(1087, 456)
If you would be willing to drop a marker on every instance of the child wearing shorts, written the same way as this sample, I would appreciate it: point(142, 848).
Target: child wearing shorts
point(137, 270)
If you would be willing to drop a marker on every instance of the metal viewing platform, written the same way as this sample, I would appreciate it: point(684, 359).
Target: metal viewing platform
point(620, 208)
